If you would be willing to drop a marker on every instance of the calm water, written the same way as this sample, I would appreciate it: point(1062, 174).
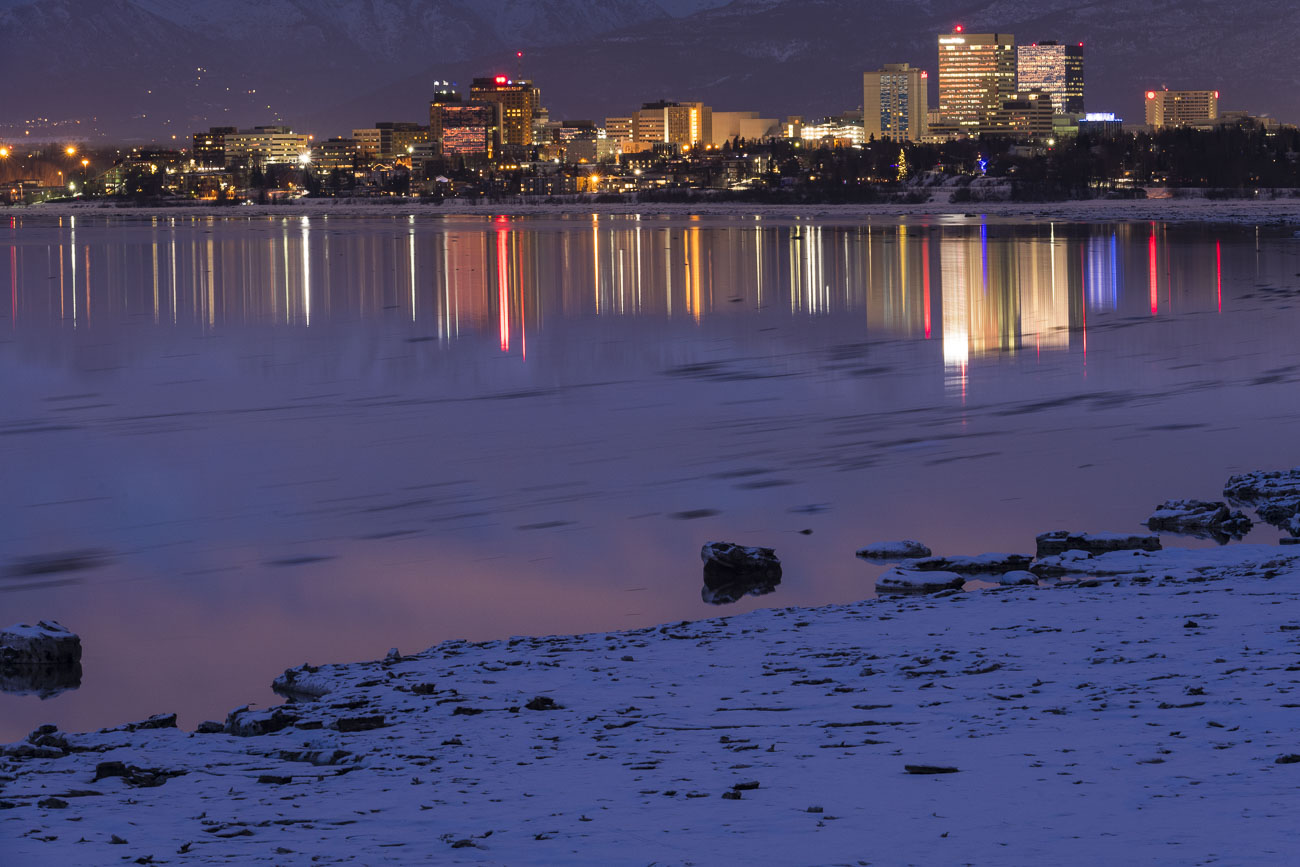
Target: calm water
point(280, 441)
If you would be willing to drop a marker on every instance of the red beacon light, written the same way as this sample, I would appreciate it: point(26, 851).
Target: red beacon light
point(958, 29)
point(1151, 94)
point(501, 79)
point(1216, 94)
point(924, 74)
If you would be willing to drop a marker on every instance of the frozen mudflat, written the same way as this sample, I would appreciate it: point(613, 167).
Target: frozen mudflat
point(1146, 718)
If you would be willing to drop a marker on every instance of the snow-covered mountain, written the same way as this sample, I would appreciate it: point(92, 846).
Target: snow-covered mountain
point(175, 65)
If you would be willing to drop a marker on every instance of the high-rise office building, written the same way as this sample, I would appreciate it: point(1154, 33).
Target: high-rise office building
point(1056, 70)
point(1181, 107)
point(519, 101)
point(977, 73)
point(895, 102)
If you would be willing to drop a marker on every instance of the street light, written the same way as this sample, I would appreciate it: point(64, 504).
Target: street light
point(70, 150)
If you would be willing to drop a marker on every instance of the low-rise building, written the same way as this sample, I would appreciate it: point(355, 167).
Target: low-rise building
point(266, 146)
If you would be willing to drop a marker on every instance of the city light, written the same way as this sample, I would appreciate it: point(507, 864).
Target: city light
point(4, 153)
point(70, 150)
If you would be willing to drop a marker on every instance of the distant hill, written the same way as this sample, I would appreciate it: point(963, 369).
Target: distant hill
point(159, 67)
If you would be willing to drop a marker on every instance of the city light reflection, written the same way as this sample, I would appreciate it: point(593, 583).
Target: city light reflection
point(985, 290)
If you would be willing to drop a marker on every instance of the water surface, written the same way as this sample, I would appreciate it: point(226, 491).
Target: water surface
point(272, 441)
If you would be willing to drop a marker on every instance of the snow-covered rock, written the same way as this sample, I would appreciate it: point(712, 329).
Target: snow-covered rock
point(46, 643)
point(1199, 517)
point(900, 550)
point(980, 564)
point(1060, 541)
point(1275, 496)
point(1017, 577)
point(302, 682)
point(907, 581)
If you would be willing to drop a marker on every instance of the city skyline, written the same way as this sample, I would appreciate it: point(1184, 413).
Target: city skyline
point(1119, 71)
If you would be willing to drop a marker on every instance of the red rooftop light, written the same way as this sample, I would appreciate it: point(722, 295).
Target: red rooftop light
point(501, 79)
point(1151, 94)
point(958, 29)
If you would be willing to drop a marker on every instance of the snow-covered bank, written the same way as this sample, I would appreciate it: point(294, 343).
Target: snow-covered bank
point(1145, 716)
point(1281, 211)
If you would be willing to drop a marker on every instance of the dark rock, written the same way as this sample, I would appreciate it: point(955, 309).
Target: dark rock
point(461, 710)
point(731, 796)
point(745, 785)
point(732, 572)
point(359, 723)
point(982, 564)
point(157, 721)
point(140, 778)
point(52, 804)
point(1288, 759)
point(930, 769)
point(316, 757)
point(210, 727)
point(273, 779)
point(543, 702)
point(109, 769)
point(116, 840)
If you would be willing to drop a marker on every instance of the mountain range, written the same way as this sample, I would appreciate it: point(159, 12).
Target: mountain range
point(151, 69)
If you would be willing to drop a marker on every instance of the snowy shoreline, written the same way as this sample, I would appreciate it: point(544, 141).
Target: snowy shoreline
point(1281, 211)
point(1143, 714)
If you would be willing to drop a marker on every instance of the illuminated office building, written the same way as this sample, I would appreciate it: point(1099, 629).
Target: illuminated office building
point(1056, 70)
point(1181, 107)
point(681, 123)
point(210, 146)
point(895, 102)
point(519, 102)
point(977, 73)
point(464, 129)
